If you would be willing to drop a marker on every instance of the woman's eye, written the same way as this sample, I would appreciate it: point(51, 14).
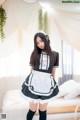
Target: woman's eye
point(37, 43)
point(41, 41)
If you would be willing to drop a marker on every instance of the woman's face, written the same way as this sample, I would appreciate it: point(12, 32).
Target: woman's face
point(40, 43)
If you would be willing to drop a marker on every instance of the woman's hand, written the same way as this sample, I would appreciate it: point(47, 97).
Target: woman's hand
point(54, 72)
point(31, 69)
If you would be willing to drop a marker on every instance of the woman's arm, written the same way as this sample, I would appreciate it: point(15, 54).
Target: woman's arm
point(54, 72)
point(31, 69)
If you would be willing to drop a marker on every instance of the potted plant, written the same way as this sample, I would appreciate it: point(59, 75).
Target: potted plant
point(2, 22)
point(40, 20)
point(45, 22)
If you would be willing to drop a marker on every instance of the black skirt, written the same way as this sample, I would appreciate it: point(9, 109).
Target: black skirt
point(27, 93)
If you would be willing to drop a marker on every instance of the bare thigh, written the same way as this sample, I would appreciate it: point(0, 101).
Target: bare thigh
point(43, 107)
point(33, 106)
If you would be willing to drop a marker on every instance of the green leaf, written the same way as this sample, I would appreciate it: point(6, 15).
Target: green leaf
point(3, 18)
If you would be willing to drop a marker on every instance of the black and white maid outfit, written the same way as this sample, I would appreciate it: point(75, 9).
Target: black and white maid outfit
point(40, 85)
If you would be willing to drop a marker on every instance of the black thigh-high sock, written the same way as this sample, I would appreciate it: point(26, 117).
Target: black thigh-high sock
point(30, 115)
point(42, 115)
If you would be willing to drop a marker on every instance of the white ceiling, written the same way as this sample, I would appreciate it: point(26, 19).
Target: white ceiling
point(70, 7)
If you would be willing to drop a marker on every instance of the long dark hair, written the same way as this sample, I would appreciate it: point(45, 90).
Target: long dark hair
point(35, 56)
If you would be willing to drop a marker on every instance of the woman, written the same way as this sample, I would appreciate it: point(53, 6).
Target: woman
point(40, 85)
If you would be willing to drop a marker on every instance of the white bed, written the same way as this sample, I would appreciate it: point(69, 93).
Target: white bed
point(16, 107)
point(63, 105)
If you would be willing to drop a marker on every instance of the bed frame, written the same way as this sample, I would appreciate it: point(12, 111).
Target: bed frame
point(63, 109)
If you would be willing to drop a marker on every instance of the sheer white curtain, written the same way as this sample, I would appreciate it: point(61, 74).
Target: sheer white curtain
point(22, 16)
point(16, 61)
point(67, 62)
point(20, 27)
point(76, 67)
point(67, 58)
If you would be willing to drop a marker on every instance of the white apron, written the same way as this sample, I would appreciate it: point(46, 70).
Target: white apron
point(41, 83)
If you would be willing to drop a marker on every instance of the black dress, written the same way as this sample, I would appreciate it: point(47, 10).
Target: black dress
point(36, 86)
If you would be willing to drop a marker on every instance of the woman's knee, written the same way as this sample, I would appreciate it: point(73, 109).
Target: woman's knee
point(43, 107)
point(43, 111)
point(33, 106)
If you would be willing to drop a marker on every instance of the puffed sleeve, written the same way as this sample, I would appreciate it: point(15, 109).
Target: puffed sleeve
point(56, 59)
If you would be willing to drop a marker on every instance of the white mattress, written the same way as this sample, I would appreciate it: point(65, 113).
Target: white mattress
point(15, 105)
point(13, 100)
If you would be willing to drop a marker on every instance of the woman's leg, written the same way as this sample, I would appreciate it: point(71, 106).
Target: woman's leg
point(32, 110)
point(43, 111)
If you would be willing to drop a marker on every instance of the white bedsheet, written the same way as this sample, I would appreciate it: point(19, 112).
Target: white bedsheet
point(13, 100)
point(15, 105)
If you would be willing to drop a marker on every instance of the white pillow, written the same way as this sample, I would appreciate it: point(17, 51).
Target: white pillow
point(69, 89)
point(74, 92)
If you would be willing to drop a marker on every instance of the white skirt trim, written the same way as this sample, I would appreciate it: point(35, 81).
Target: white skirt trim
point(28, 99)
